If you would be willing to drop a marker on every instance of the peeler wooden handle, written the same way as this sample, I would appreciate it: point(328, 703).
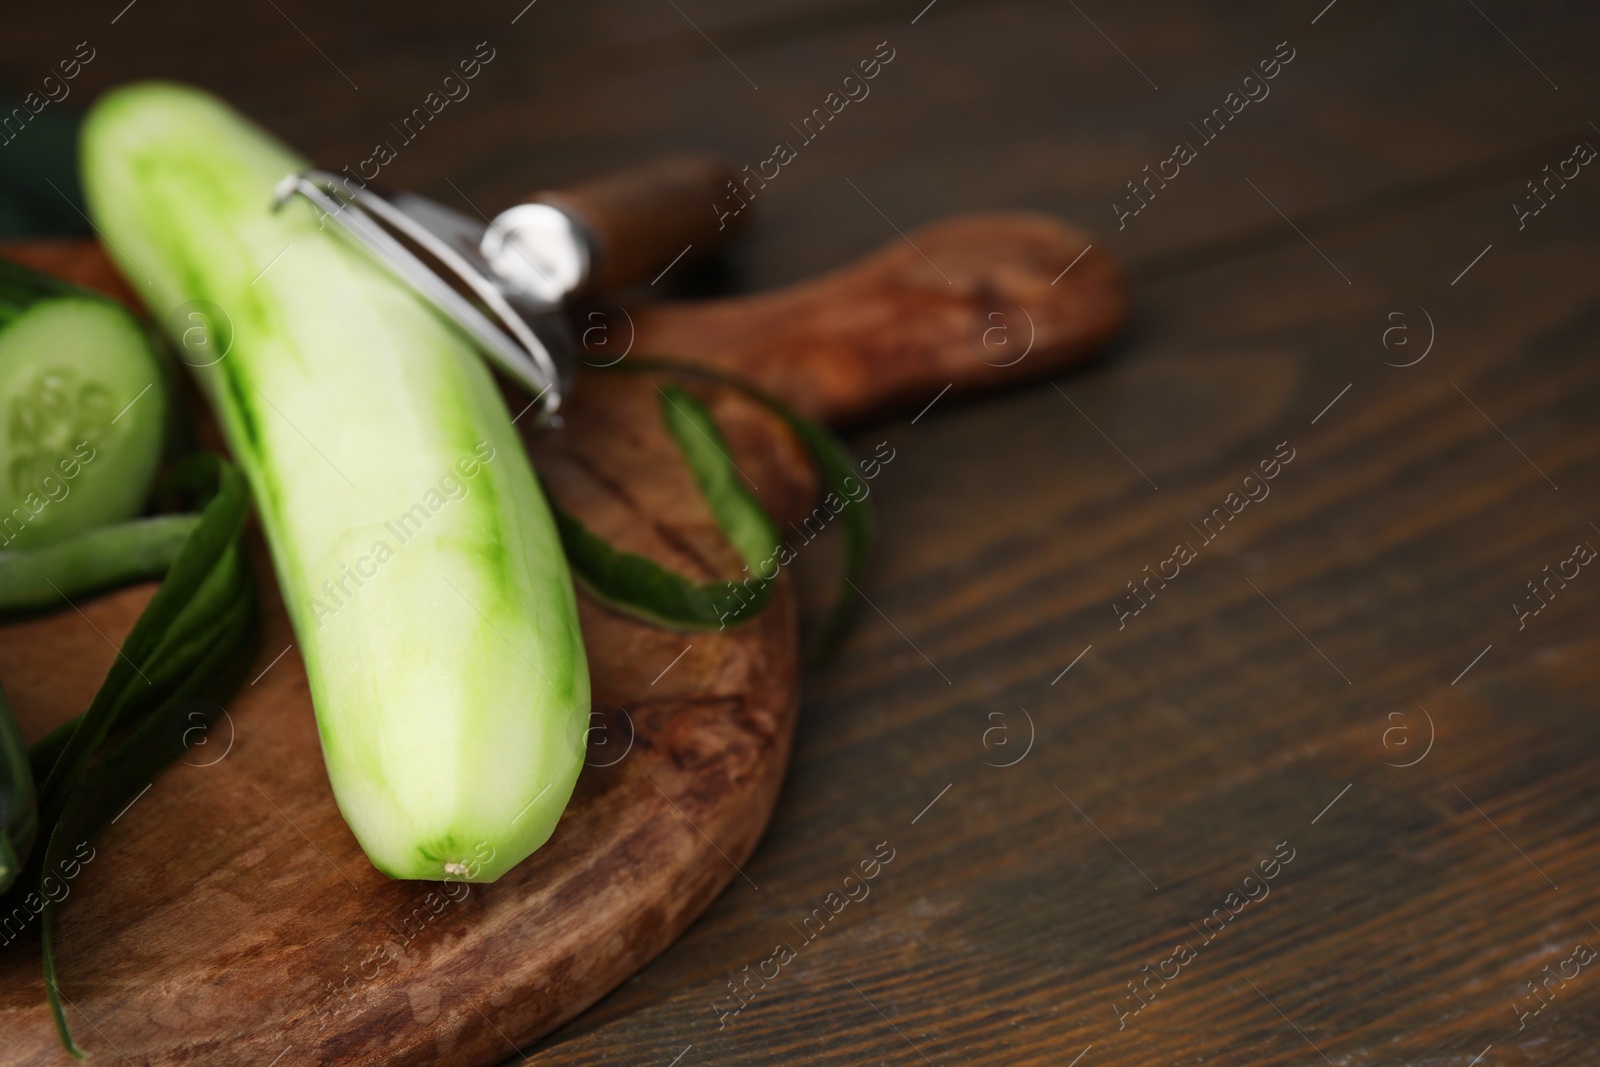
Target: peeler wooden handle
point(642, 220)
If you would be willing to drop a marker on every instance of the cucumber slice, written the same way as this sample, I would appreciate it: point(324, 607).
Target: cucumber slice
point(83, 409)
point(416, 554)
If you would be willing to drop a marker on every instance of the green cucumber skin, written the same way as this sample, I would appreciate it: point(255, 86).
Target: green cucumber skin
point(19, 818)
point(450, 684)
point(83, 409)
point(21, 288)
point(90, 562)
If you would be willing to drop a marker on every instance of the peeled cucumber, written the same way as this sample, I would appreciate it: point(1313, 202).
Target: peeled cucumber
point(418, 561)
point(82, 410)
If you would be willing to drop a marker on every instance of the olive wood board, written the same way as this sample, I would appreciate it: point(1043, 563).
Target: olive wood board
point(228, 915)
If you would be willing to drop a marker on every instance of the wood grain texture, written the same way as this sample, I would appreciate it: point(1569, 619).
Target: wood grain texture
point(1188, 744)
point(686, 761)
point(1209, 730)
point(965, 302)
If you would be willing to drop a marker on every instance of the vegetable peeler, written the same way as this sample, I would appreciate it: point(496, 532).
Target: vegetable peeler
point(506, 281)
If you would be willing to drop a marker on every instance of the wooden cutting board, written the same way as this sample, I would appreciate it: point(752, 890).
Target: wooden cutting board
point(228, 915)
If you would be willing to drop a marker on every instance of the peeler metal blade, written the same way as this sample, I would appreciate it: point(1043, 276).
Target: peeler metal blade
point(531, 343)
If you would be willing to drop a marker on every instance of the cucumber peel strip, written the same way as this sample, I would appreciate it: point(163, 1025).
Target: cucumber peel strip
point(122, 775)
point(107, 557)
point(33, 579)
point(219, 526)
point(19, 813)
point(194, 640)
point(184, 643)
point(641, 587)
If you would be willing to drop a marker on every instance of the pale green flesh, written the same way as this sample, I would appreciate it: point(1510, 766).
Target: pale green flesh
point(451, 689)
point(81, 413)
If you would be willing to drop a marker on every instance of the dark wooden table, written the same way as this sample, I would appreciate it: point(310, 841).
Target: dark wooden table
point(1345, 692)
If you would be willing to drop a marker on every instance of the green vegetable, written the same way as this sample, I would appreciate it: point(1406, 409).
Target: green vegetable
point(96, 559)
point(416, 554)
point(19, 818)
point(642, 587)
point(82, 405)
point(190, 645)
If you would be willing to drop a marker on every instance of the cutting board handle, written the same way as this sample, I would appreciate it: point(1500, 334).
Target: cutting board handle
point(642, 220)
point(965, 302)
